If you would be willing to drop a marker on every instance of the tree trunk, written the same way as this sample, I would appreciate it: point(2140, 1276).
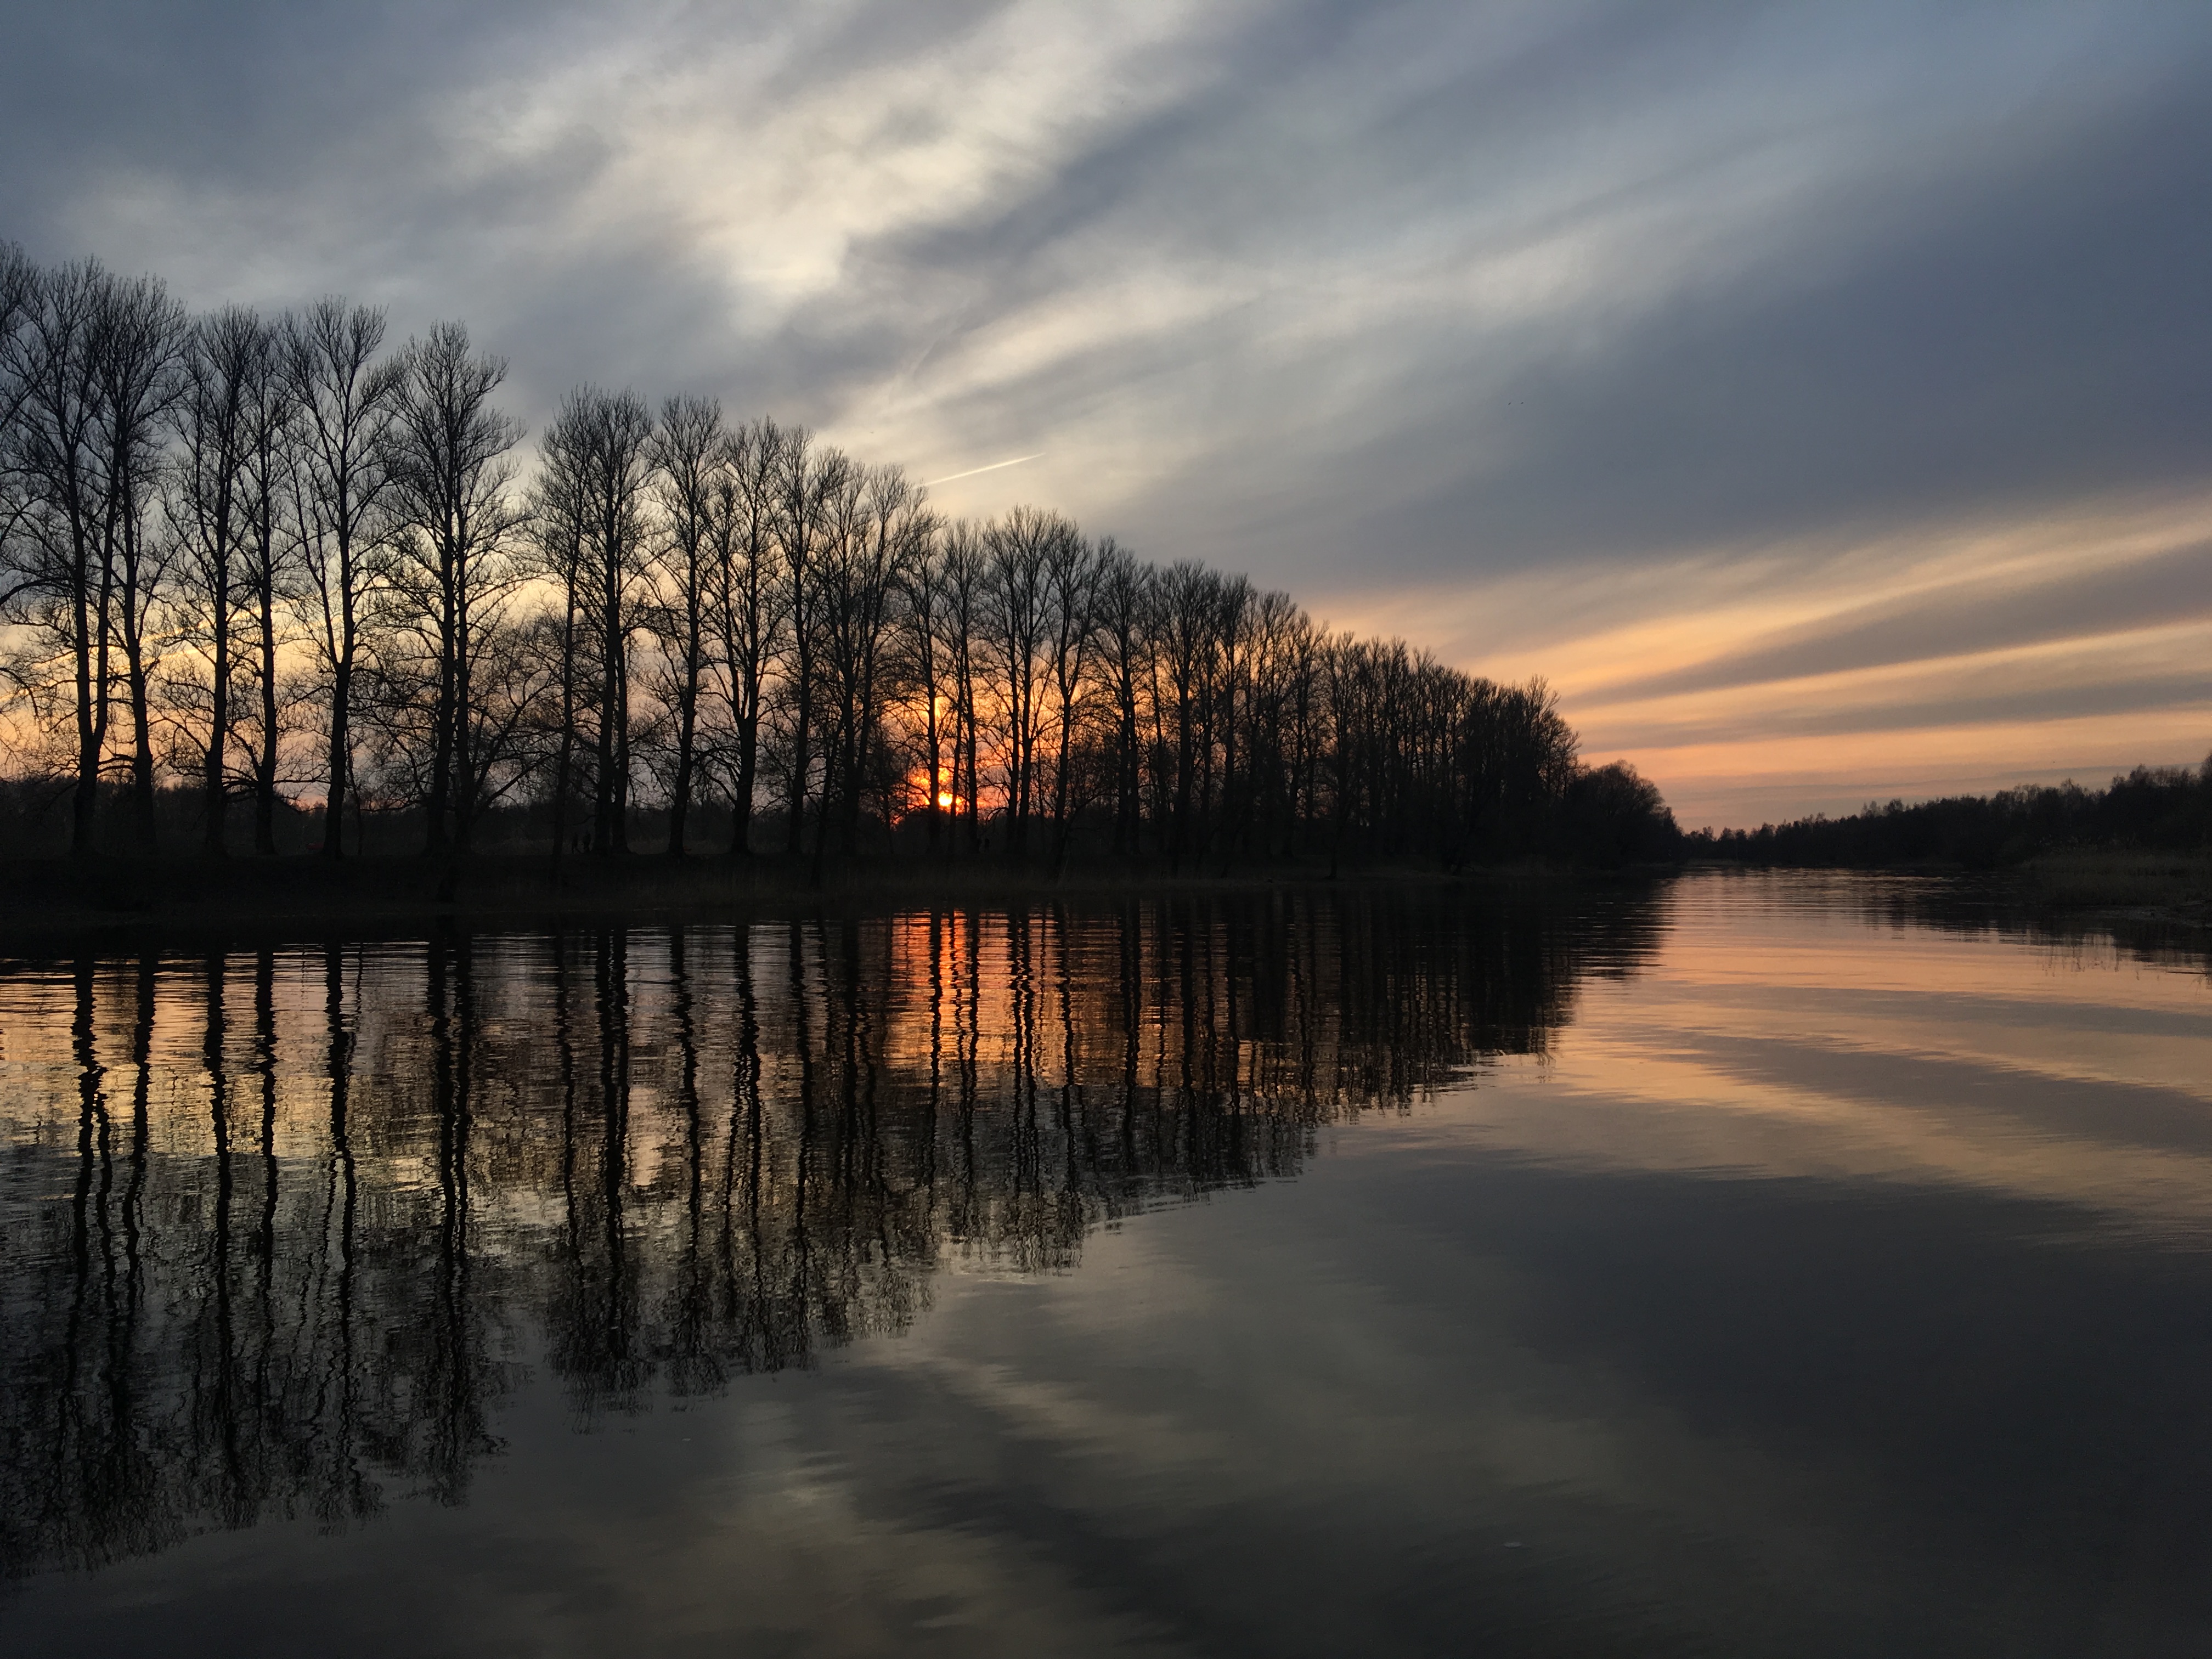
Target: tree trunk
point(687, 730)
point(265, 768)
point(142, 743)
point(741, 800)
point(211, 780)
point(341, 750)
point(91, 729)
point(563, 768)
point(443, 721)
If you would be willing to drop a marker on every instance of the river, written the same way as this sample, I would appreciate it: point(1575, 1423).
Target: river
point(1735, 1264)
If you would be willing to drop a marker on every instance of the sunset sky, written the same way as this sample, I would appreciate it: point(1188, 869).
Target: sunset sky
point(1821, 397)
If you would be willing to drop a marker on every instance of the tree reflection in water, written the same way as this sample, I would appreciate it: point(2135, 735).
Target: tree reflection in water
point(282, 1227)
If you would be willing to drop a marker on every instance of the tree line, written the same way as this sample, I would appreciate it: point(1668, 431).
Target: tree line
point(263, 559)
point(2152, 809)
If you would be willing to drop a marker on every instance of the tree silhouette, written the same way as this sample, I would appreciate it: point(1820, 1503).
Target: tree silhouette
point(667, 610)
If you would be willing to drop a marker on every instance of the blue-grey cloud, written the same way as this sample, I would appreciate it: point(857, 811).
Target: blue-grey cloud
point(2025, 333)
point(2129, 695)
point(1961, 618)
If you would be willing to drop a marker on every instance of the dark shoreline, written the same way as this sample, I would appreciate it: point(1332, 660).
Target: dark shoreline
point(57, 902)
point(2176, 887)
point(45, 899)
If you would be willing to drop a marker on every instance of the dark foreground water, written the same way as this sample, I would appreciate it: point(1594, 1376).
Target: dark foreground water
point(1748, 1266)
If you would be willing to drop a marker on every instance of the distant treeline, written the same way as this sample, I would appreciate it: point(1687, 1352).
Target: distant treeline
point(2164, 809)
point(267, 562)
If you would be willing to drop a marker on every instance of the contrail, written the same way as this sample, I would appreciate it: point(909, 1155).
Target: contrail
point(993, 467)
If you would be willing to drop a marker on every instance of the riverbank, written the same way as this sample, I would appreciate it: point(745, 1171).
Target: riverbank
point(2172, 889)
point(2169, 887)
point(46, 898)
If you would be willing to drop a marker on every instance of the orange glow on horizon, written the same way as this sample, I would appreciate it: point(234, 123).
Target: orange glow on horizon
point(1756, 685)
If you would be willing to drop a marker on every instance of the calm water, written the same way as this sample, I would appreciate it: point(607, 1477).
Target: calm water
point(1749, 1266)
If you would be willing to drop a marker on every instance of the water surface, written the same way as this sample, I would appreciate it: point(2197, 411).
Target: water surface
point(1744, 1264)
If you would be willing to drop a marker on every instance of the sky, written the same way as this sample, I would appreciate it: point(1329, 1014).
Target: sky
point(1819, 396)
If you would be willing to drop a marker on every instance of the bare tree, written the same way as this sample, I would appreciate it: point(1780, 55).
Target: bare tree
point(880, 525)
point(621, 426)
point(59, 580)
point(1280, 663)
point(1346, 670)
point(967, 592)
point(1184, 602)
point(748, 601)
point(226, 362)
point(1232, 624)
point(270, 558)
point(1019, 546)
point(688, 452)
point(593, 486)
point(140, 333)
point(1072, 582)
point(19, 289)
point(1124, 591)
point(513, 687)
point(347, 400)
point(559, 527)
point(19, 286)
point(452, 477)
point(809, 482)
point(927, 674)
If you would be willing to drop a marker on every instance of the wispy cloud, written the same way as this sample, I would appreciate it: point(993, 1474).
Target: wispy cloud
point(1678, 351)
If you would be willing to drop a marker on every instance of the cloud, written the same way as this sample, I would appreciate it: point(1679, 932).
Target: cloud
point(1377, 301)
point(1958, 619)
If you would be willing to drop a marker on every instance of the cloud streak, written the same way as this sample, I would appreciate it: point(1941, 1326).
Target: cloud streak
point(978, 471)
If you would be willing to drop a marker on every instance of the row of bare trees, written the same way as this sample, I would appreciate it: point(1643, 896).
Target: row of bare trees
point(271, 559)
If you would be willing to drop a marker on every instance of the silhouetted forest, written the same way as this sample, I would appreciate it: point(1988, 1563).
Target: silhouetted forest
point(270, 569)
point(285, 1226)
point(2164, 809)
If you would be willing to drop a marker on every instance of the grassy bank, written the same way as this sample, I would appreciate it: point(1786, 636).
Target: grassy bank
point(45, 898)
point(2178, 883)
